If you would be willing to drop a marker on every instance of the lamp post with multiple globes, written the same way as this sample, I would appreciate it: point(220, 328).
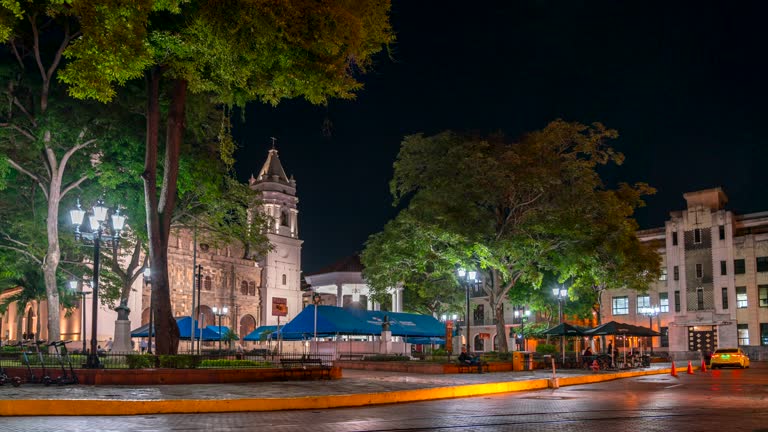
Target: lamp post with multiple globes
point(97, 231)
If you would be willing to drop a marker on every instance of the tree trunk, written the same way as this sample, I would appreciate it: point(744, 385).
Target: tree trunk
point(497, 304)
point(160, 207)
point(53, 255)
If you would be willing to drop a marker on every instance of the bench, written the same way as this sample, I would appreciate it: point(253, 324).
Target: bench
point(304, 367)
point(465, 368)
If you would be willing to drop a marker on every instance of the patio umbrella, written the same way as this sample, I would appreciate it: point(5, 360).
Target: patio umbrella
point(615, 328)
point(565, 329)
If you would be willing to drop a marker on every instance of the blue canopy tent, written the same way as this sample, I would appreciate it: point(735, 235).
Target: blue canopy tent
point(332, 320)
point(221, 332)
point(185, 330)
point(260, 334)
point(425, 340)
point(402, 324)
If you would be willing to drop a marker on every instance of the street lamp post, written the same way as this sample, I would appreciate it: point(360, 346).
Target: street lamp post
point(83, 293)
point(561, 294)
point(148, 281)
point(96, 223)
point(468, 278)
point(650, 312)
point(219, 312)
point(316, 299)
point(523, 314)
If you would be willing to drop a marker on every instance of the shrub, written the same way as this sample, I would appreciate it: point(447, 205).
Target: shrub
point(386, 357)
point(225, 363)
point(140, 361)
point(546, 349)
point(181, 361)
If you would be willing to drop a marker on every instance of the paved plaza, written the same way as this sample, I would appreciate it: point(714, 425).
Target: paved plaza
point(356, 388)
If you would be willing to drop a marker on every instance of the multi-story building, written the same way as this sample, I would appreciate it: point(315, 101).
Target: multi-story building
point(713, 289)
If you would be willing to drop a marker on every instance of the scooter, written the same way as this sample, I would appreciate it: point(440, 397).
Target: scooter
point(31, 377)
point(65, 378)
point(4, 378)
point(45, 378)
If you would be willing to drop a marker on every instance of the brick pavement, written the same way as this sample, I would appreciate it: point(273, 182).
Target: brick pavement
point(356, 388)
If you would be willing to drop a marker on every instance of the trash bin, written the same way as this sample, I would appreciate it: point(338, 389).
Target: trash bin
point(528, 361)
point(522, 361)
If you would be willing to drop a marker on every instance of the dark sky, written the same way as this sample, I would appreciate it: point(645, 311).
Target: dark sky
point(682, 82)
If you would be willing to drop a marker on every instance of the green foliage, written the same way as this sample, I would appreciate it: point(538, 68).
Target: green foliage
point(180, 361)
point(225, 363)
point(386, 357)
point(140, 361)
point(546, 349)
point(517, 210)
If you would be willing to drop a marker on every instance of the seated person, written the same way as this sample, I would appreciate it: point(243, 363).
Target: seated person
point(468, 359)
point(586, 358)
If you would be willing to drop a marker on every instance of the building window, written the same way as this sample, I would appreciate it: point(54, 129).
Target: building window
point(763, 334)
point(244, 288)
point(676, 273)
point(699, 271)
point(762, 264)
point(723, 268)
point(699, 298)
point(663, 302)
point(674, 238)
point(762, 295)
point(207, 283)
point(743, 333)
point(621, 305)
point(643, 301)
point(697, 235)
point(663, 274)
point(677, 301)
point(664, 336)
point(722, 232)
point(285, 279)
point(739, 267)
point(741, 297)
point(252, 288)
point(725, 298)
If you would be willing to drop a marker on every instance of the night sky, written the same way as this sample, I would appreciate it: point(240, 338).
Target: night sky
point(682, 82)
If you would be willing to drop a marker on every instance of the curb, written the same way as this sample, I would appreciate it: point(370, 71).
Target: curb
point(98, 407)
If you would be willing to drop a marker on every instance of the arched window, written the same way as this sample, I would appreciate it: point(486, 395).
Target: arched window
point(247, 325)
point(285, 279)
point(252, 288)
point(207, 283)
point(284, 219)
point(244, 288)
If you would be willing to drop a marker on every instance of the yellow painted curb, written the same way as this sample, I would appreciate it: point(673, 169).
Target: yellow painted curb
point(81, 407)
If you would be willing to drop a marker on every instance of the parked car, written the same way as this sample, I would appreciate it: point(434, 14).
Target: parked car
point(729, 357)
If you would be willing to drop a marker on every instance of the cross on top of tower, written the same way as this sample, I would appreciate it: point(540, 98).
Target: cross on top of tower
point(273, 142)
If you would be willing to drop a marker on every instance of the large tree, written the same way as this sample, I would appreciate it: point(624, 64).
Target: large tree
point(273, 50)
point(519, 206)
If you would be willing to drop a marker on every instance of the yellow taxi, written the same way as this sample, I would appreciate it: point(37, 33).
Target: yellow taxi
point(729, 357)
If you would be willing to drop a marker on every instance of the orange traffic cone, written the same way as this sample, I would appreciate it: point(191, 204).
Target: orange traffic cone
point(703, 365)
point(690, 368)
point(674, 370)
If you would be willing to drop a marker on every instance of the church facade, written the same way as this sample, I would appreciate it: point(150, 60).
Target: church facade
point(254, 292)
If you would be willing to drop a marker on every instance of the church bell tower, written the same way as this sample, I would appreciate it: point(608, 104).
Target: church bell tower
point(281, 281)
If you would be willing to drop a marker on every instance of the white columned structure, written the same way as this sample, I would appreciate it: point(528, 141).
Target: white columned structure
point(345, 278)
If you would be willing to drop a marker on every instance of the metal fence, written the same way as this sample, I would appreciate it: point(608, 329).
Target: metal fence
point(229, 360)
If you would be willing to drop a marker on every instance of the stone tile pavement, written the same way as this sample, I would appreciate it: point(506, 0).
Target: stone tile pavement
point(354, 389)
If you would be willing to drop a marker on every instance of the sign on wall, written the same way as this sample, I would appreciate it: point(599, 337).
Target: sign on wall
point(279, 306)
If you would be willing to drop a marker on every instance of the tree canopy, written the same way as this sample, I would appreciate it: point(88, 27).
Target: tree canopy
point(274, 50)
point(513, 209)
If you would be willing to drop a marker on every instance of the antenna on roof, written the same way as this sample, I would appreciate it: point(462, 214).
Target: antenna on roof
point(273, 142)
